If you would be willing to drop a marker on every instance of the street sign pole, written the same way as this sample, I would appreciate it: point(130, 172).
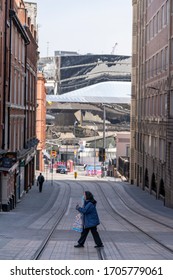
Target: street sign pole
point(104, 146)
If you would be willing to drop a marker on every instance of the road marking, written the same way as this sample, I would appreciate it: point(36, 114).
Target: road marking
point(69, 206)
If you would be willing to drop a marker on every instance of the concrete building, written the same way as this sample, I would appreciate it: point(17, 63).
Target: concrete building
point(123, 153)
point(122, 144)
point(152, 98)
point(19, 77)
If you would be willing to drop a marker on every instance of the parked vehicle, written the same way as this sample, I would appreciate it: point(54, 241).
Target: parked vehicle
point(61, 169)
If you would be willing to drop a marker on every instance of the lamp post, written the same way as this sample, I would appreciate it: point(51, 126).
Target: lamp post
point(51, 161)
point(75, 123)
point(51, 149)
point(94, 148)
point(104, 142)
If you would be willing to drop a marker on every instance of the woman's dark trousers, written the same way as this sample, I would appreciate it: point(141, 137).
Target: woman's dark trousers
point(40, 187)
point(95, 235)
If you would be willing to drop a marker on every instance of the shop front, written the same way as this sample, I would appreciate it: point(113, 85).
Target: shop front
point(9, 169)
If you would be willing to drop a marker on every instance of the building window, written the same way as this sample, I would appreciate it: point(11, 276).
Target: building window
point(146, 144)
point(162, 60)
point(165, 105)
point(14, 135)
point(162, 150)
point(156, 105)
point(162, 17)
point(166, 12)
point(140, 177)
point(22, 92)
point(15, 87)
point(152, 106)
point(18, 90)
point(159, 62)
point(149, 145)
point(157, 22)
point(152, 146)
point(169, 154)
point(171, 104)
point(157, 147)
point(16, 43)
point(19, 48)
point(128, 151)
point(162, 105)
point(149, 68)
point(154, 25)
point(146, 70)
point(166, 58)
point(23, 52)
point(156, 63)
point(171, 7)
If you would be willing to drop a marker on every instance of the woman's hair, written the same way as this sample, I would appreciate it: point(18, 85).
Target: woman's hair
point(89, 195)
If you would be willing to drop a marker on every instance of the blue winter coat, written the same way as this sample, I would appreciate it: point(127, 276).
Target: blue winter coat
point(90, 215)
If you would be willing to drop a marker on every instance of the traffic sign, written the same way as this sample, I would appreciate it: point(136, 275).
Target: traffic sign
point(53, 153)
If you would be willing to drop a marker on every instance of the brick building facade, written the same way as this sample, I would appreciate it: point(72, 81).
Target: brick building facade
point(19, 75)
point(2, 20)
point(41, 121)
point(151, 165)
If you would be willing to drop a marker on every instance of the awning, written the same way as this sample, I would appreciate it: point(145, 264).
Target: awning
point(11, 169)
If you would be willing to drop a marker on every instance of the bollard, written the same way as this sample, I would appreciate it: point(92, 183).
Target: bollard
point(75, 174)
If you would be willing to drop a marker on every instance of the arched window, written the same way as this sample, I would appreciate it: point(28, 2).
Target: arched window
point(162, 188)
point(146, 178)
point(153, 183)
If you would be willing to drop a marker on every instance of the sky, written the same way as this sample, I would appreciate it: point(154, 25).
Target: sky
point(84, 26)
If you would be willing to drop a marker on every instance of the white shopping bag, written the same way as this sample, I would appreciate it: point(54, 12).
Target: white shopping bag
point(78, 223)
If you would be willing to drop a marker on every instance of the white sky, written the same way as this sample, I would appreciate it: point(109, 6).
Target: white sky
point(85, 26)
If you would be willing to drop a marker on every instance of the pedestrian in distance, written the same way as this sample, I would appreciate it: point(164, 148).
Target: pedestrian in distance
point(90, 220)
point(85, 166)
point(40, 181)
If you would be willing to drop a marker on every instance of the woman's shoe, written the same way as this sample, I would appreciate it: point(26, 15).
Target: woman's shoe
point(99, 246)
point(79, 246)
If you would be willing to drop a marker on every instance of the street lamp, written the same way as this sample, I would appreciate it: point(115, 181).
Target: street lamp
point(104, 142)
point(51, 156)
point(51, 160)
point(75, 123)
point(94, 148)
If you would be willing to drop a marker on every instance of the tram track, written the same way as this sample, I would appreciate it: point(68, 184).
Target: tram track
point(61, 210)
point(109, 209)
point(139, 211)
point(102, 252)
point(158, 242)
point(105, 196)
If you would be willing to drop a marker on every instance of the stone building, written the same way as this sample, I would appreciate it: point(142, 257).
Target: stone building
point(152, 98)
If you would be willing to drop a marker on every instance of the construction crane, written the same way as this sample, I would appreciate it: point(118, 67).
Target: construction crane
point(113, 49)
